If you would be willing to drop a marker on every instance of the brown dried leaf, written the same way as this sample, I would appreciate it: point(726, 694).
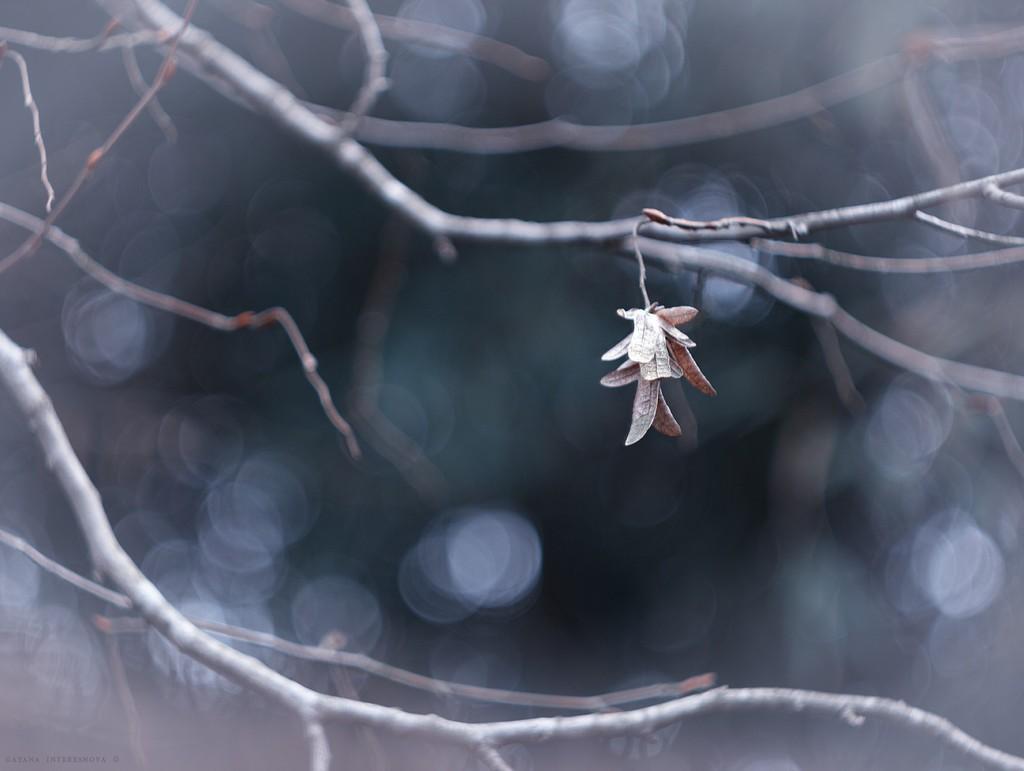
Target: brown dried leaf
point(690, 369)
point(671, 331)
point(645, 407)
point(618, 350)
point(679, 314)
point(628, 372)
point(664, 422)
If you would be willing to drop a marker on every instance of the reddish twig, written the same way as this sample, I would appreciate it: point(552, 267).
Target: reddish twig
point(96, 156)
point(187, 310)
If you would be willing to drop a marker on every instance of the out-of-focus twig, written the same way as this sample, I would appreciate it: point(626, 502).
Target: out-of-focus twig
point(932, 137)
point(331, 651)
point(375, 80)
point(341, 677)
point(1011, 445)
point(389, 440)
point(997, 194)
point(828, 340)
point(124, 692)
point(104, 41)
point(164, 74)
point(156, 110)
point(204, 316)
point(33, 108)
point(267, 96)
point(906, 265)
point(966, 232)
point(429, 34)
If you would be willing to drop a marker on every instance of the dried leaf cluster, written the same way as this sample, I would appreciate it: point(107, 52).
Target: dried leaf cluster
point(655, 351)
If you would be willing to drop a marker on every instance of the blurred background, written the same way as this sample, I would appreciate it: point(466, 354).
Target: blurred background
point(497, 531)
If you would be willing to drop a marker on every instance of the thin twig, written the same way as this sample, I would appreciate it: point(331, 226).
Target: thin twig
point(69, 45)
point(906, 265)
point(828, 340)
point(1011, 445)
point(219, 65)
point(124, 692)
point(371, 329)
point(931, 136)
point(375, 81)
point(33, 108)
point(429, 34)
point(966, 232)
point(997, 194)
point(327, 653)
point(640, 262)
point(156, 110)
point(96, 156)
point(197, 313)
point(968, 376)
point(332, 655)
point(319, 749)
point(492, 758)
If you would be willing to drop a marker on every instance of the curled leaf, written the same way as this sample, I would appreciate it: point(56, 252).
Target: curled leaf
point(672, 332)
point(664, 420)
point(628, 372)
point(690, 369)
point(618, 350)
point(645, 407)
point(679, 314)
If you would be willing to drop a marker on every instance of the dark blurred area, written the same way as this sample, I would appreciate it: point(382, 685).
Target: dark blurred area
point(785, 540)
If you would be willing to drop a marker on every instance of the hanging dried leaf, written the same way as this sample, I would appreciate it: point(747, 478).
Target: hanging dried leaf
point(679, 314)
point(645, 407)
point(618, 350)
point(646, 334)
point(675, 334)
point(690, 369)
point(664, 421)
point(656, 351)
point(661, 365)
point(628, 372)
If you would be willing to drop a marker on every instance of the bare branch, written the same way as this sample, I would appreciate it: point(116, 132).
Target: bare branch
point(277, 103)
point(720, 124)
point(331, 654)
point(965, 232)
point(920, 265)
point(990, 381)
point(33, 108)
point(319, 749)
point(1011, 445)
point(557, 132)
point(371, 329)
point(187, 310)
point(995, 193)
point(124, 693)
point(425, 33)
point(492, 759)
point(375, 81)
point(156, 110)
point(96, 156)
point(931, 136)
point(52, 566)
point(68, 45)
point(262, 93)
